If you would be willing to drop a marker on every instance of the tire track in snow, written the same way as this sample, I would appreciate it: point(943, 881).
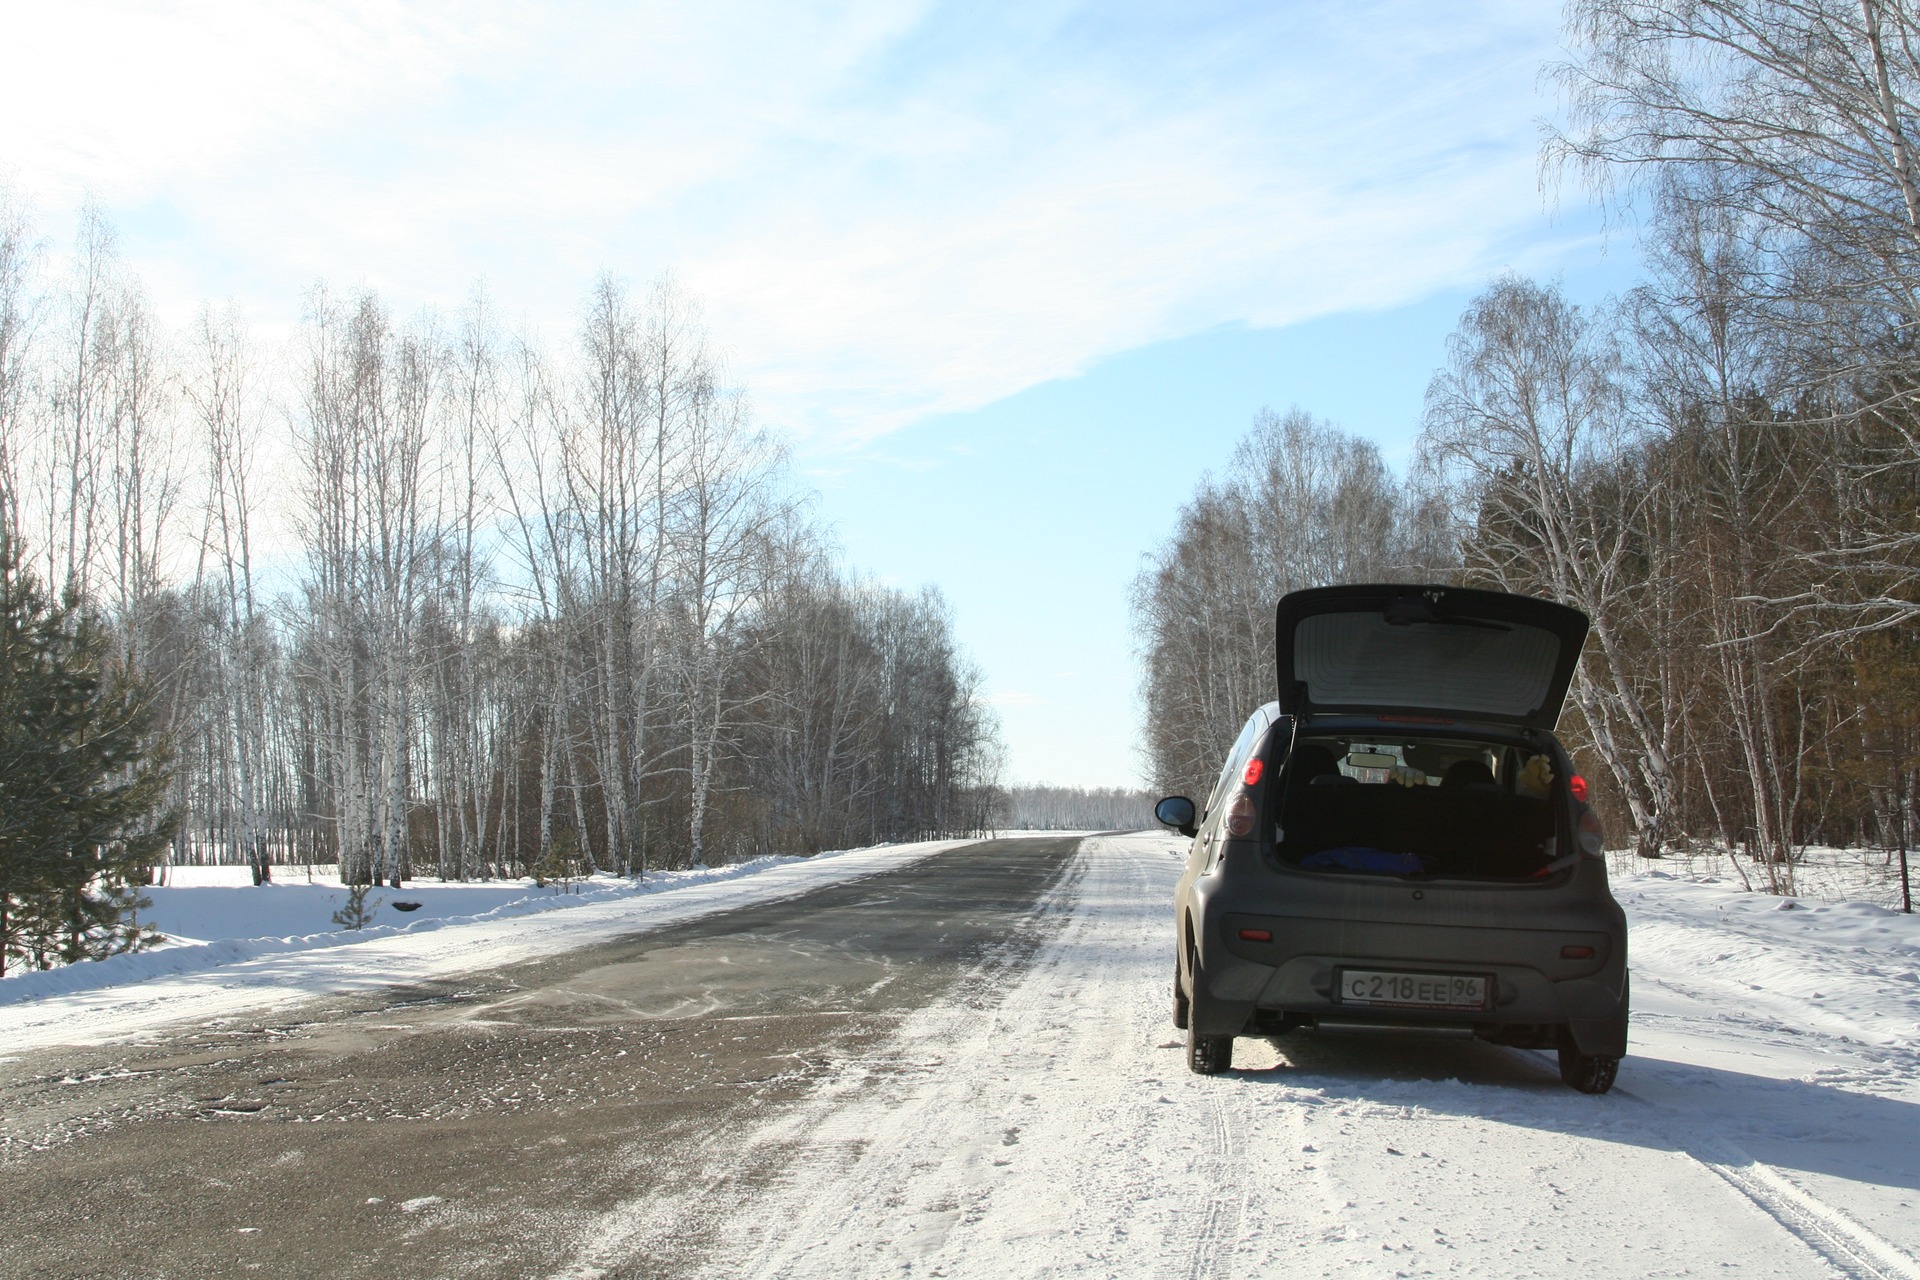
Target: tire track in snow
point(1844, 1243)
point(1229, 1203)
point(1806, 1005)
point(900, 1172)
point(1215, 1226)
point(1827, 1231)
point(1020, 1153)
point(775, 1200)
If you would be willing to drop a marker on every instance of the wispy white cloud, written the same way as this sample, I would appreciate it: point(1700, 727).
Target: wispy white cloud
point(891, 209)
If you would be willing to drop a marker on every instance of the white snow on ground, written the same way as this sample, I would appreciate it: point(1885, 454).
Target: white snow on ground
point(238, 949)
point(1043, 1123)
point(1821, 872)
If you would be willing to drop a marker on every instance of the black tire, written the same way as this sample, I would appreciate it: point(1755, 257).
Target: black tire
point(1182, 1007)
point(1589, 1073)
point(1208, 1055)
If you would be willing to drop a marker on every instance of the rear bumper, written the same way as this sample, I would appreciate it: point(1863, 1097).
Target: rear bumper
point(1535, 994)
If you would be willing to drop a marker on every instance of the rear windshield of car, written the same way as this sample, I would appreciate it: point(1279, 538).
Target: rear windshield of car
point(1421, 807)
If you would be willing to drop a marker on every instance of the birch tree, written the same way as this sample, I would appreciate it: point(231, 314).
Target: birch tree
point(1525, 418)
point(1792, 120)
point(1301, 504)
point(620, 445)
point(371, 530)
point(21, 304)
point(725, 517)
point(69, 481)
point(227, 410)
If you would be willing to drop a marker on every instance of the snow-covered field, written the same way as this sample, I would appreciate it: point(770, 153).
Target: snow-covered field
point(235, 948)
point(1820, 871)
point(1767, 1122)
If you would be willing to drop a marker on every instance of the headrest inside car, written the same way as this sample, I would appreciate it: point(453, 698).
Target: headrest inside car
point(1466, 773)
point(1311, 762)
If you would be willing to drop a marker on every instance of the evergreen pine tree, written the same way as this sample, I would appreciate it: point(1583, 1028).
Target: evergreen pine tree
point(83, 780)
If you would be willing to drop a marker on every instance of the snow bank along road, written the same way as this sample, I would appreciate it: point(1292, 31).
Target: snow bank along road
point(963, 1067)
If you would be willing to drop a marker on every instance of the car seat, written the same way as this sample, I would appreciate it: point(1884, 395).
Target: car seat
point(1466, 773)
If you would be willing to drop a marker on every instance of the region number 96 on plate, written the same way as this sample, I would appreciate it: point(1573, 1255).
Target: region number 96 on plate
point(1413, 990)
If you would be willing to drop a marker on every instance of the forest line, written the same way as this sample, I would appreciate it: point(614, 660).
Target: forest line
point(1721, 467)
point(427, 597)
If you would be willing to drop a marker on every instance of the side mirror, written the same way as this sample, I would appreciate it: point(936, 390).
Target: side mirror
point(1176, 812)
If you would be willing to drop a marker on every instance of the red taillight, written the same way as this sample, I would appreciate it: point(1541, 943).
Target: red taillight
point(1256, 935)
point(1255, 767)
point(1576, 953)
point(1240, 816)
point(1578, 785)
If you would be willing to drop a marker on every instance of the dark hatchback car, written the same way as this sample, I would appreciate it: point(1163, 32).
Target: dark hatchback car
point(1399, 844)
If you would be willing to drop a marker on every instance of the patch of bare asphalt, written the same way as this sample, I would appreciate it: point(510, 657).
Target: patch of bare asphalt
point(477, 1127)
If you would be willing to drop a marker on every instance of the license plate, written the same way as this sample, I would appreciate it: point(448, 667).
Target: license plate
point(1413, 990)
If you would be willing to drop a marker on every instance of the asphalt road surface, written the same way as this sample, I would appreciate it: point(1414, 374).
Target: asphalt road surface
point(477, 1127)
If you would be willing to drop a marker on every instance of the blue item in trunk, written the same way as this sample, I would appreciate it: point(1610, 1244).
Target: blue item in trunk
point(1362, 858)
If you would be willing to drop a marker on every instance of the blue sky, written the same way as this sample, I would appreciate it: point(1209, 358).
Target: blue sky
point(1009, 277)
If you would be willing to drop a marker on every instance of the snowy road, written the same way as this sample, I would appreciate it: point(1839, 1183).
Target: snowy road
point(1051, 1129)
point(963, 1067)
point(373, 1109)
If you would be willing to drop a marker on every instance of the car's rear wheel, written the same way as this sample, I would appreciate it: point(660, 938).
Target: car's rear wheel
point(1587, 1072)
point(1208, 1055)
point(1182, 1008)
